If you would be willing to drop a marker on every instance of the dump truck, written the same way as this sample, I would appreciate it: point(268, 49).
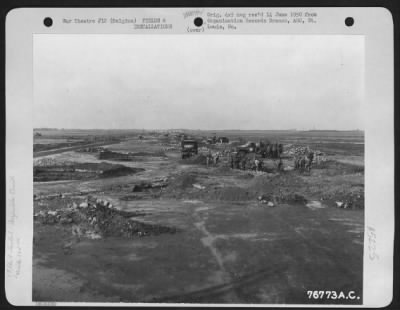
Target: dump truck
point(266, 150)
point(189, 148)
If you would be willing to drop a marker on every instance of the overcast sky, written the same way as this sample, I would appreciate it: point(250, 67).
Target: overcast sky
point(198, 81)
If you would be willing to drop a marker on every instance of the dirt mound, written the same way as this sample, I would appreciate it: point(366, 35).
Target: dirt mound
point(149, 154)
point(119, 171)
point(130, 156)
point(199, 159)
point(81, 171)
point(182, 181)
point(101, 219)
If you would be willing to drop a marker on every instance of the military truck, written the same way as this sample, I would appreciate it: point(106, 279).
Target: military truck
point(266, 150)
point(189, 148)
point(249, 147)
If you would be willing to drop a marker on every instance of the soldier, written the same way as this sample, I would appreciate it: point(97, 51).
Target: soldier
point(256, 164)
point(310, 157)
point(260, 165)
point(243, 164)
point(232, 160)
point(273, 151)
point(237, 161)
point(317, 159)
point(261, 147)
point(208, 158)
point(280, 164)
point(302, 163)
point(216, 158)
point(268, 150)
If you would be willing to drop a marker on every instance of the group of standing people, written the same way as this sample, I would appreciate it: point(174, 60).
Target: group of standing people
point(304, 162)
point(245, 163)
point(271, 150)
point(242, 161)
point(212, 158)
point(237, 161)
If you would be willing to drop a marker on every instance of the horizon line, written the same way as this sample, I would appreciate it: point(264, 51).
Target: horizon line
point(197, 129)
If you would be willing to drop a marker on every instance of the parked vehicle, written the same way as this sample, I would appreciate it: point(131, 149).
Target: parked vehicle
point(189, 148)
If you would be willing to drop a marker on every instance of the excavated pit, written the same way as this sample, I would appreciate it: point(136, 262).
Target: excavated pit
point(101, 220)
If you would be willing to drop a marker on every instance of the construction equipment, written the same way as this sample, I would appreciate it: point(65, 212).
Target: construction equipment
point(189, 148)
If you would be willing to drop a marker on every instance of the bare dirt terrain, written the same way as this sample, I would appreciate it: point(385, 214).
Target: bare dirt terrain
point(148, 226)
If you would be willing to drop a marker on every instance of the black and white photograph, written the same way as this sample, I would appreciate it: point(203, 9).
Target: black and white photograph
point(198, 169)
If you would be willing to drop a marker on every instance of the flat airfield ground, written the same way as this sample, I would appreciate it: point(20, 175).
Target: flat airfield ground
point(228, 247)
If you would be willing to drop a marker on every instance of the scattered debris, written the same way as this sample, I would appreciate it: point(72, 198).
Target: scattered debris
point(344, 205)
point(314, 204)
point(269, 200)
point(339, 204)
point(198, 186)
point(297, 198)
point(157, 183)
point(100, 219)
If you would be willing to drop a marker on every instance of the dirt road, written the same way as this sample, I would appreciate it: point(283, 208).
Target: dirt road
point(70, 148)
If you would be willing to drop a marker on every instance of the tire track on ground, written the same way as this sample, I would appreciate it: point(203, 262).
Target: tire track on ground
point(209, 242)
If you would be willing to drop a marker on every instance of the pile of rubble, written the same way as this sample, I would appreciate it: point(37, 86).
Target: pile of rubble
point(350, 200)
point(296, 151)
point(268, 200)
point(273, 200)
point(157, 183)
point(99, 218)
point(293, 150)
point(356, 202)
point(170, 148)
